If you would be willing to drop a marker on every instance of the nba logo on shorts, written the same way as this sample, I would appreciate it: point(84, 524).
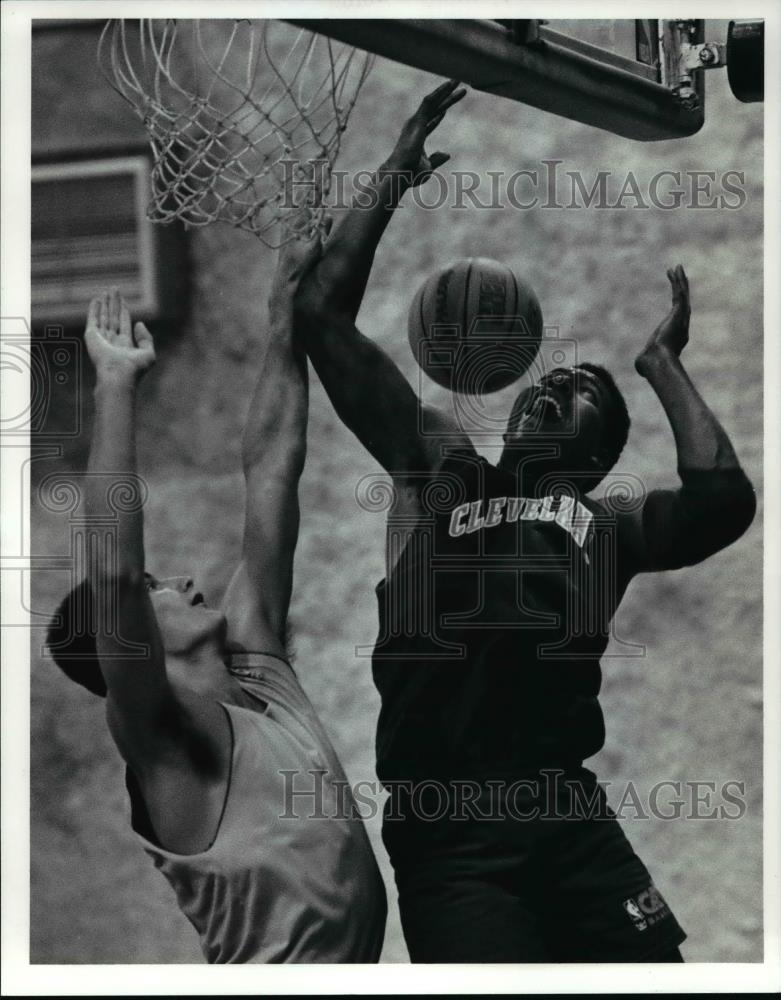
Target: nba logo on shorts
point(633, 910)
point(647, 908)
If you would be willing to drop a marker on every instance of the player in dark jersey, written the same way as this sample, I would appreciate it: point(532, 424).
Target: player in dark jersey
point(500, 586)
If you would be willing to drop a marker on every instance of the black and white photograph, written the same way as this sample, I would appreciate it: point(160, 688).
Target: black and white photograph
point(390, 570)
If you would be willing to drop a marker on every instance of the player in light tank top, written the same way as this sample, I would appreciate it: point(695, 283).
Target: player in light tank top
point(202, 703)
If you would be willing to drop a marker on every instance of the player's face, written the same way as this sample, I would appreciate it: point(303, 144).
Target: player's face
point(184, 619)
point(568, 404)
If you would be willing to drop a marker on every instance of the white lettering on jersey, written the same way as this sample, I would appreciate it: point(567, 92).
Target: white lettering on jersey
point(475, 521)
point(514, 505)
point(571, 515)
point(494, 515)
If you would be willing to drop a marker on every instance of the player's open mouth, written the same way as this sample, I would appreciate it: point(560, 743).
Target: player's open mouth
point(198, 599)
point(545, 406)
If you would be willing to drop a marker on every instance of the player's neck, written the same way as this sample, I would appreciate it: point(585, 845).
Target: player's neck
point(201, 669)
point(537, 475)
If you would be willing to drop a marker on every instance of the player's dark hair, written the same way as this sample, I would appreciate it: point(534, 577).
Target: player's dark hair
point(71, 640)
point(617, 427)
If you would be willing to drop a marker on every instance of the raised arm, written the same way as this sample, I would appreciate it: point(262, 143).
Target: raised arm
point(128, 639)
point(175, 743)
point(715, 503)
point(368, 391)
point(339, 280)
point(273, 451)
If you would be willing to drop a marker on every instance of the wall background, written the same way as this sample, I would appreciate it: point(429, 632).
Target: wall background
point(689, 710)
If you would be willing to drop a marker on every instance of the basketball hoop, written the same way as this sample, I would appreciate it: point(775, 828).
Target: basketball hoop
point(236, 116)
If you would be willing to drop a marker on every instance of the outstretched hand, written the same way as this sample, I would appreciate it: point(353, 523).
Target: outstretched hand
point(409, 154)
point(116, 346)
point(307, 227)
point(672, 334)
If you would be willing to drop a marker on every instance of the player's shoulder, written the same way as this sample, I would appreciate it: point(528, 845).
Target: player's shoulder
point(619, 513)
point(620, 504)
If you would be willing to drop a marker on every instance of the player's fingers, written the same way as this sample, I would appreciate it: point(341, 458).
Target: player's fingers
point(433, 123)
point(103, 314)
point(307, 187)
point(125, 326)
point(675, 285)
point(306, 196)
point(437, 159)
point(459, 95)
point(443, 91)
point(93, 313)
point(443, 88)
point(313, 184)
point(143, 338)
point(446, 88)
point(114, 308)
point(313, 251)
point(302, 223)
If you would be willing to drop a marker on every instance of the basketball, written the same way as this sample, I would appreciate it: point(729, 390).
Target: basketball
point(475, 326)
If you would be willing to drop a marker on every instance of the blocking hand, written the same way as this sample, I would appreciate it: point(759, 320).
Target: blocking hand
point(672, 334)
point(307, 226)
point(117, 347)
point(409, 154)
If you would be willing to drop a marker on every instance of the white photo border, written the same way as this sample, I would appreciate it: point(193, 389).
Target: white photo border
point(22, 978)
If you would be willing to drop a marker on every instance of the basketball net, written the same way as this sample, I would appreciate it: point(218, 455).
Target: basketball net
point(236, 115)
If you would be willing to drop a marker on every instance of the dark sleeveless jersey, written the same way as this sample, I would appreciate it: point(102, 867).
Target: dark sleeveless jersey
point(492, 625)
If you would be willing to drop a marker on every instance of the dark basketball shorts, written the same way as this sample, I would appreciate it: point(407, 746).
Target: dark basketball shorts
point(512, 888)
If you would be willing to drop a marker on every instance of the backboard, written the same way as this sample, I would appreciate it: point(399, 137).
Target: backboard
point(642, 79)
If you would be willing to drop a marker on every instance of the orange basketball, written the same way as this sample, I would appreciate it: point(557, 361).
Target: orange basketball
point(475, 326)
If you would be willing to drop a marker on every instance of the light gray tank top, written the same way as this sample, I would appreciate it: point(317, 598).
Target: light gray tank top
point(290, 876)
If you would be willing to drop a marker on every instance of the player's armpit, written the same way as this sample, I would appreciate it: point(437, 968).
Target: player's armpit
point(373, 398)
point(676, 528)
point(366, 388)
point(440, 437)
point(257, 613)
point(131, 653)
point(183, 773)
point(177, 742)
point(150, 720)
